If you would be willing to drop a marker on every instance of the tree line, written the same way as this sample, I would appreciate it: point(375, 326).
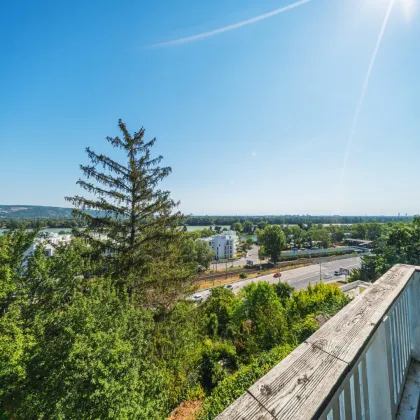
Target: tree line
point(41, 223)
point(397, 244)
point(291, 219)
point(106, 327)
point(70, 222)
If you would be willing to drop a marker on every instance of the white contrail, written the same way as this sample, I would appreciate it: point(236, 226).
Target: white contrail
point(233, 26)
point(364, 89)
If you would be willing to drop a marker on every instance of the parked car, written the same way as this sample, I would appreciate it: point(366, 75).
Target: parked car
point(302, 249)
point(277, 275)
point(315, 247)
point(229, 286)
point(197, 297)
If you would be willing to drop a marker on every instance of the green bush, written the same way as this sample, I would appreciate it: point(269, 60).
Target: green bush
point(218, 360)
point(243, 276)
point(319, 299)
point(232, 387)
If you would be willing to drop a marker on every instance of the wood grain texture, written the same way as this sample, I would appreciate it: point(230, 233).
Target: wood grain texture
point(293, 388)
point(244, 408)
point(346, 333)
point(306, 380)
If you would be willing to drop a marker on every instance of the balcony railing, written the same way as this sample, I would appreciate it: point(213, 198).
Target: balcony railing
point(354, 367)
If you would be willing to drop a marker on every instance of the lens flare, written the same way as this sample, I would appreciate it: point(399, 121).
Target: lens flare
point(408, 8)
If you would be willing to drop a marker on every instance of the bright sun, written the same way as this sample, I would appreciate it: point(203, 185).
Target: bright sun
point(406, 6)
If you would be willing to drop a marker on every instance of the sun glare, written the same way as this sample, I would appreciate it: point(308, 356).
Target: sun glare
point(408, 8)
point(404, 6)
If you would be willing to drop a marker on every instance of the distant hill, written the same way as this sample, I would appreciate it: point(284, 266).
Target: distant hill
point(33, 212)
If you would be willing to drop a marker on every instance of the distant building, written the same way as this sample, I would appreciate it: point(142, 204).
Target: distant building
point(360, 243)
point(223, 245)
point(50, 243)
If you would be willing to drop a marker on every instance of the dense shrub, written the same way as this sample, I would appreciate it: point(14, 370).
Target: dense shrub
point(235, 385)
point(75, 346)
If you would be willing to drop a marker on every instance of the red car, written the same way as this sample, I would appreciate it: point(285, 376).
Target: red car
point(277, 275)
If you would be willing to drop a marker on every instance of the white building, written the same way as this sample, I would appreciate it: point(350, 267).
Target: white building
point(223, 245)
point(50, 243)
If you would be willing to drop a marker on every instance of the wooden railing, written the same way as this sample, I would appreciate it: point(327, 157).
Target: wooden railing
point(353, 367)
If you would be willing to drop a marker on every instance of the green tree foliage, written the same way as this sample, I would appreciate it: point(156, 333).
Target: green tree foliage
point(359, 231)
point(220, 304)
point(398, 244)
point(87, 336)
point(374, 231)
point(204, 254)
point(72, 345)
point(338, 234)
point(294, 220)
point(260, 320)
point(272, 241)
point(297, 235)
point(237, 227)
point(38, 223)
point(218, 229)
point(177, 346)
point(321, 235)
point(319, 299)
point(247, 245)
point(232, 387)
point(205, 233)
point(138, 221)
point(283, 291)
point(248, 227)
point(262, 224)
point(218, 361)
point(198, 251)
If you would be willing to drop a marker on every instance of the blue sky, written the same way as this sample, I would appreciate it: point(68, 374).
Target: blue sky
point(254, 120)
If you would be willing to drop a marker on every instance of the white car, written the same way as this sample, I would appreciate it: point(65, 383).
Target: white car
point(197, 297)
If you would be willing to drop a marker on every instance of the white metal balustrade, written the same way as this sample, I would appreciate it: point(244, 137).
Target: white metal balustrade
point(354, 367)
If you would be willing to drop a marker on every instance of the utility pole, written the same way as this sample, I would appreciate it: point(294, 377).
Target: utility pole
point(226, 268)
point(320, 277)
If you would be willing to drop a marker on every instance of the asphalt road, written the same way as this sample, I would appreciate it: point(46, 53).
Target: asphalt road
point(299, 278)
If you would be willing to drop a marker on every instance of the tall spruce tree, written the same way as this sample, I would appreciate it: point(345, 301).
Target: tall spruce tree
point(134, 223)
